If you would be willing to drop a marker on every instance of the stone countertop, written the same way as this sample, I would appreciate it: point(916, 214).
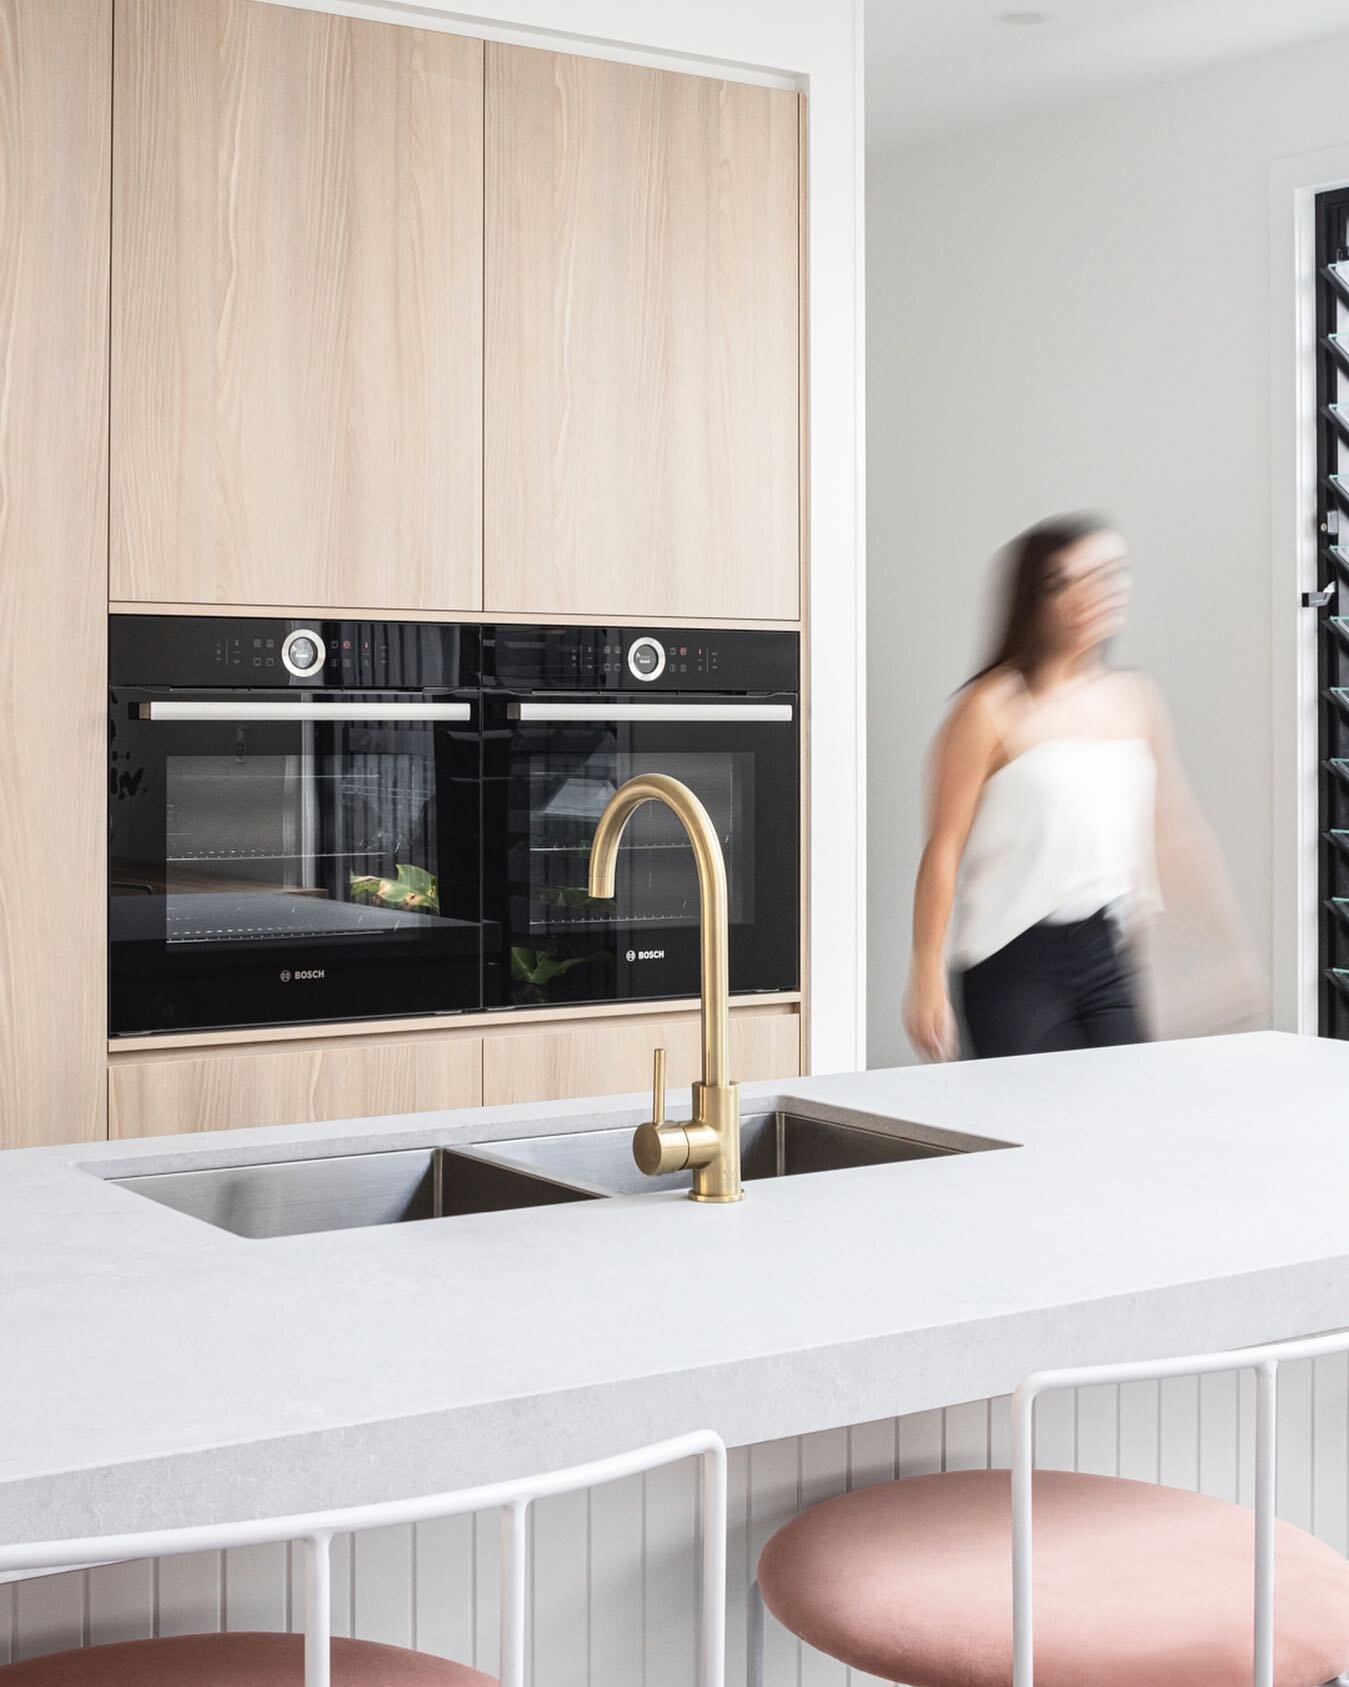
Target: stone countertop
point(1161, 1198)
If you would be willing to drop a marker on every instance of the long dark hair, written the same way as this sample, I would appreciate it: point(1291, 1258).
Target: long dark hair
point(1028, 565)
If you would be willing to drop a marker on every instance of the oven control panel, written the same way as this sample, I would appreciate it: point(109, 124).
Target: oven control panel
point(313, 655)
point(603, 659)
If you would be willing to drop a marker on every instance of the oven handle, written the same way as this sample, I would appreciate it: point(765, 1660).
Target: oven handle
point(175, 710)
point(559, 712)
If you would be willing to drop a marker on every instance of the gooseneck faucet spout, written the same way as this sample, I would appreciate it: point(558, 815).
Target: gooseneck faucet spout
point(710, 1142)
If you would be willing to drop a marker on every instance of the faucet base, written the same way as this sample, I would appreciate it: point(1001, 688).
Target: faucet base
point(714, 1137)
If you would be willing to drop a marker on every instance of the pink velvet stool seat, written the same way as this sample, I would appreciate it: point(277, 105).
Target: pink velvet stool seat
point(236, 1660)
point(1135, 1585)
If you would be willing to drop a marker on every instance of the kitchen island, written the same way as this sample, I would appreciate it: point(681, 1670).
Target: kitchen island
point(1150, 1201)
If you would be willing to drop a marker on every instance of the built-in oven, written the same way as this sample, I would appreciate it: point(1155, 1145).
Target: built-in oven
point(568, 715)
point(294, 820)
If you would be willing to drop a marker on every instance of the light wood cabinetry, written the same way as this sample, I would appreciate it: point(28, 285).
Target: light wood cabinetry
point(612, 1056)
point(642, 341)
point(55, 75)
point(245, 360)
point(297, 309)
point(235, 1085)
point(292, 1083)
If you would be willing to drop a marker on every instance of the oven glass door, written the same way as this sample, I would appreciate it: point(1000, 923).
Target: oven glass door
point(284, 858)
point(550, 769)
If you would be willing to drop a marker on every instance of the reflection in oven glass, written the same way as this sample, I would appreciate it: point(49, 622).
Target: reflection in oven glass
point(269, 847)
point(657, 882)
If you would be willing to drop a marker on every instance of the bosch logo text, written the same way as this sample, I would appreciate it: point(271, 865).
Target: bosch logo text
point(646, 954)
point(305, 973)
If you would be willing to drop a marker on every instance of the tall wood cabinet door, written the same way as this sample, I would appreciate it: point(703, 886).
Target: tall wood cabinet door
point(642, 344)
point(297, 309)
point(613, 1056)
point(343, 1078)
point(55, 80)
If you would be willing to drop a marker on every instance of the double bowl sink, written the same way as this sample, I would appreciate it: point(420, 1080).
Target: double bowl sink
point(352, 1191)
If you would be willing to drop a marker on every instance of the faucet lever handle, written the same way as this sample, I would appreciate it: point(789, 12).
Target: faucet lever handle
point(658, 1088)
point(656, 1146)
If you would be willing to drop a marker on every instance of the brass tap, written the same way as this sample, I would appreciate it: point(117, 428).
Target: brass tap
point(710, 1143)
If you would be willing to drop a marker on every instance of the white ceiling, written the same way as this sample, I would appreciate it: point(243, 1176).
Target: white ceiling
point(937, 66)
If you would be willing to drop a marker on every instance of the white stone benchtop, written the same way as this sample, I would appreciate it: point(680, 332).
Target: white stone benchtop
point(158, 1371)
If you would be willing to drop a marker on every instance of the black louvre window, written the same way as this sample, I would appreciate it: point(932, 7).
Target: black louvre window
point(1332, 600)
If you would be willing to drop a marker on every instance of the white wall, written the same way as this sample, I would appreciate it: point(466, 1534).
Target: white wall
point(1075, 311)
point(817, 47)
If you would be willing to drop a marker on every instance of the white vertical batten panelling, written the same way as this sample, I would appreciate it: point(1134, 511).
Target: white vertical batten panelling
point(121, 1602)
point(50, 1614)
point(1330, 1451)
point(669, 1586)
point(824, 1471)
point(443, 1592)
point(614, 1572)
point(257, 1588)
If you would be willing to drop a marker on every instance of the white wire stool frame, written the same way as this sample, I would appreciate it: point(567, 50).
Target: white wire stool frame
point(1264, 1361)
point(513, 1499)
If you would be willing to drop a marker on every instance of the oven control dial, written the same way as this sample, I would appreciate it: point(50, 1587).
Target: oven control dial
point(646, 658)
point(302, 652)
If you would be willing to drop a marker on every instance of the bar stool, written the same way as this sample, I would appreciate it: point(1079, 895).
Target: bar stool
point(928, 1580)
point(282, 1660)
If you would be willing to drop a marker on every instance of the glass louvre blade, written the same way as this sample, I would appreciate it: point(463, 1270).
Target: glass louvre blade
point(1331, 419)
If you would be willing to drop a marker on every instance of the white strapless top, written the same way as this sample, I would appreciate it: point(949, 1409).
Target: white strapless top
point(1062, 830)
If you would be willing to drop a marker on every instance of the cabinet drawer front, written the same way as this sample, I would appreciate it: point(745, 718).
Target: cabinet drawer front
point(160, 1095)
point(611, 1057)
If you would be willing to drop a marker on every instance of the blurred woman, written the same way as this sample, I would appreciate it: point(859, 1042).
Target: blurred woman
point(1054, 794)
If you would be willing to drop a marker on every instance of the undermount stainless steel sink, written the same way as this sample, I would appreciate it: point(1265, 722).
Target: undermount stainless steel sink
point(771, 1145)
point(353, 1191)
point(349, 1191)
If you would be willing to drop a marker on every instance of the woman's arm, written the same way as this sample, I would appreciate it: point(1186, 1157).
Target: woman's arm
point(962, 757)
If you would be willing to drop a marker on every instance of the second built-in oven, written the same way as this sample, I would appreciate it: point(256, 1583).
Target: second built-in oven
point(568, 715)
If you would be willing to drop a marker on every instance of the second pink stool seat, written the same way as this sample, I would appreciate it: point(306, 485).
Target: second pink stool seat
point(1136, 1585)
point(236, 1660)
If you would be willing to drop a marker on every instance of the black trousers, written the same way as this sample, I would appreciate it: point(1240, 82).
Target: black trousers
point(1053, 987)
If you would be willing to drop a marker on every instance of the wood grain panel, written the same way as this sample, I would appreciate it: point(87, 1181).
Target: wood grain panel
point(612, 1057)
point(55, 74)
point(642, 343)
point(297, 300)
point(292, 1084)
